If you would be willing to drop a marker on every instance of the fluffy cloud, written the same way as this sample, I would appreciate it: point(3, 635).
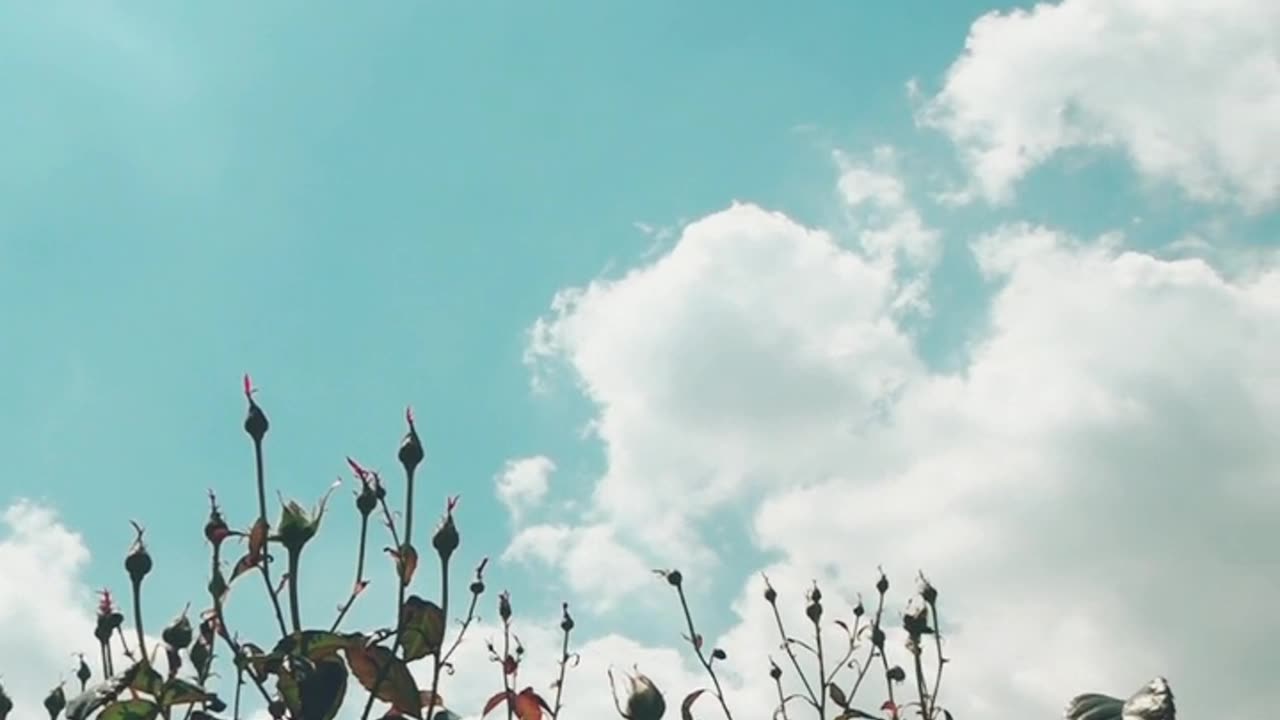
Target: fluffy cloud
point(1096, 478)
point(44, 606)
point(1189, 89)
point(523, 483)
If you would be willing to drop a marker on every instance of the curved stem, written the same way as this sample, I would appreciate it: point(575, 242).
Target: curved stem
point(702, 658)
point(795, 663)
point(937, 640)
point(359, 584)
point(822, 671)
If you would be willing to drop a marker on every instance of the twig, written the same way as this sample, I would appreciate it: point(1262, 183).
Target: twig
point(359, 584)
point(676, 579)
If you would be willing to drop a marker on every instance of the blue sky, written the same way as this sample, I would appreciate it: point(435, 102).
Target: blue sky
point(368, 206)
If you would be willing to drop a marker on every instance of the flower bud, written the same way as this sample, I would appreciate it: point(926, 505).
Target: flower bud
point(815, 594)
point(770, 595)
point(882, 585)
point(877, 638)
point(775, 672)
point(366, 500)
point(927, 591)
point(178, 633)
point(55, 701)
point(897, 674)
point(504, 606)
point(446, 539)
point(566, 624)
point(646, 701)
point(718, 654)
point(83, 673)
point(675, 578)
point(6, 705)
point(255, 423)
point(858, 610)
point(411, 452)
point(138, 562)
point(108, 618)
point(215, 529)
point(477, 587)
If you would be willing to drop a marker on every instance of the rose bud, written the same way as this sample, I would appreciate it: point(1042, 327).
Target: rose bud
point(411, 452)
point(646, 701)
point(255, 423)
point(138, 562)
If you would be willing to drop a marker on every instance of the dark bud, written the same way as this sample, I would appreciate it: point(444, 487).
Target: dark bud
point(927, 591)
point(55, 701)
point(477, 587)
point(770, 595)
point(201, 653)
point(215, 529)
point(83, 673)
point(814, 611)
point(108, 618)
point(916, 622)
point(216, 704)
point(255, 423)
point(138, 562)
point(815, 594)
point(277, 709)
point(566, 624)
point(674, 578)
point(718, 654)
point(775, 672)
point(877, 638)
point(504, 606)
point(897, 674)
point(411, 452)
point(858, 610)
point(6, 705)
point(446, 539)
point(178, 633)
point(882, 585)
point(367, 500)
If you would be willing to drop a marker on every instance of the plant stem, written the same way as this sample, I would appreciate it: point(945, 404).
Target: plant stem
point(937, 640)
point(295, 559)
point(137, 618)
point(564, 662)
point(439, 662)
point(706, 664)
point(922, 691)
point(786, 645)
point(264, 564)
point(822, 670)
point(884, 661)
point(355, 589)
point(506, 679)
point(408, 528)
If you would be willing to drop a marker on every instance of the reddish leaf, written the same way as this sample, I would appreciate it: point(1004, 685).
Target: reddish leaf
point(406, 562)
point(248, 385)
point(243, 565)
point(258, 538)
point(397, 688)
point(686, 707)
point(509, 665)
point(495, 701)
point(529, 705)
point(697, 641)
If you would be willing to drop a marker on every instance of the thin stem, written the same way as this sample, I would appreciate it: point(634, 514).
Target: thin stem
point(937, 640)
point(564, 663)
point(786, 645)
point(471, 613)
point(124, 645)
point(884, 661)
point(264, 563)
point(395, 645)
point(225, 634)
point(822, 669)
point(782, 701)
point(235, 713)
point(697, 646)
point(137, 618)
point(439, 662)
point(295, 559)
point(359, 585)
point(922, 691)
point(506, 679)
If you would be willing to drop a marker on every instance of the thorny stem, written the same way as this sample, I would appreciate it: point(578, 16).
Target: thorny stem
point(264, 562)
point(564, 663)
point(706, 664)
point(922, 691)
point(408, 528)
point(471, 614)
point(786, 645)
point(359, 585)
point(439, 660)
point(295, 614)
point(937, 640)
point(822, 669)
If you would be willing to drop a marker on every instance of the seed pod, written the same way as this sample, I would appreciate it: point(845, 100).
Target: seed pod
point(83, 673)
point(882, 585)
point(446, 538)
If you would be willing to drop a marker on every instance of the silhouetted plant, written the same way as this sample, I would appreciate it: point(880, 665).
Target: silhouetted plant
point(305, 675)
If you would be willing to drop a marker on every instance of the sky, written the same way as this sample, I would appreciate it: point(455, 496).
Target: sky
point(985, 290)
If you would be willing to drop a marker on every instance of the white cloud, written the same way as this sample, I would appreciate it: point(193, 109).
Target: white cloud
point(1189, 89)
point(45, 609)
point(523, 483)
point(1096, 480)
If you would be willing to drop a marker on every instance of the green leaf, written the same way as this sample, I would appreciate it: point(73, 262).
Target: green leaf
point(144, 678)
point(312, 644)
point(421, 628)
point(182, 692)
point(131, 710)
point(316, 694)
point(370, 663)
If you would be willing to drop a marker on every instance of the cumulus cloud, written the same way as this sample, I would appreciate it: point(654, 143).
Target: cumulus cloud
point(1102, 465)
point(45, 609)
point(1188, 89)
point(523, 483)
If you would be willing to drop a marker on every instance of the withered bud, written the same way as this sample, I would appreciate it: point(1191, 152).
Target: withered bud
point(255, 423)
point(815, 594)
point(138, 562)
point(177, 634)
point(718, 654)
point(504, 606)
point(770, 595)
point(411, 452)
point(775, 672)
point(646, 701)
point(477, 587)
point(882, 585)
point(366, 500)
point(927, 591)
point(859, 610)
point(566, 624)
point(83, 673)
point(55, 701)
point(814, 612)
point(675, 578)
point(877, 638)
point(897, 674)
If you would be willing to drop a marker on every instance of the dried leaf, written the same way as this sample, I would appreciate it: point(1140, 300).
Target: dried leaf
point(496, 700)
point(397, 687)
point(686, 707)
